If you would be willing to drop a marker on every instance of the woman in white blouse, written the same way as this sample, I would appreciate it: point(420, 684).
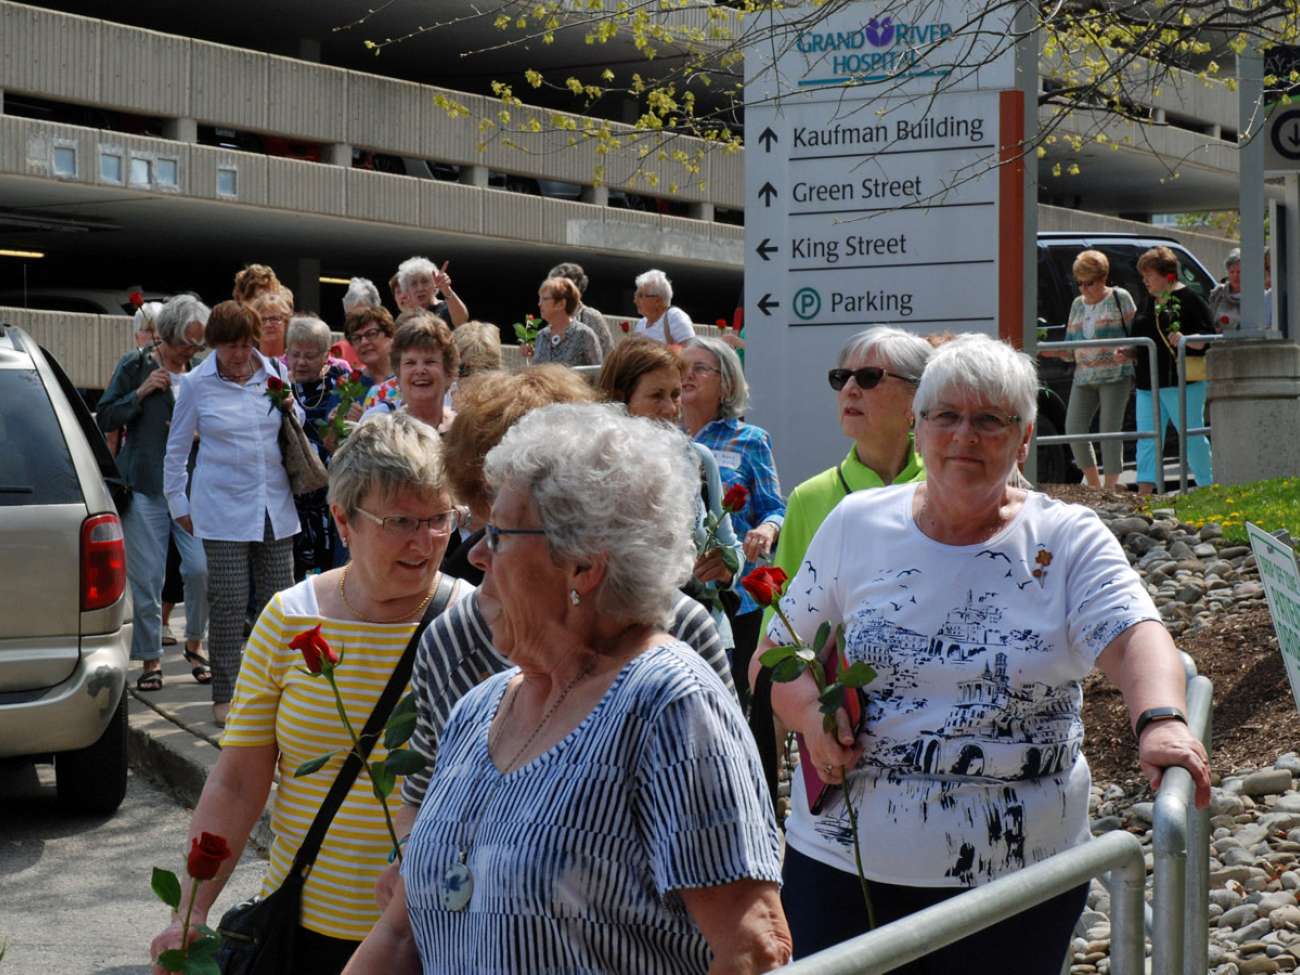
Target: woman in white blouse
point(239, 504)
point(659, 319)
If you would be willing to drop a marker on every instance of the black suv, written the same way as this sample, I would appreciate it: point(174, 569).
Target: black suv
point(1056, 291)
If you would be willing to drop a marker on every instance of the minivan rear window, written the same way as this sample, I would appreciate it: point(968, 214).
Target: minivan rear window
point(35, 465)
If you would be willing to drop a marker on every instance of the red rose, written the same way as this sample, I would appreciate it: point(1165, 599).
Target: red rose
point(135, 298)
point(356, 376)
point(1172, 278)
point(1223, 319)
point(207, 851)
point(765, 584)
point(625, 326)
point(274, 384)
point(315, 649)
point(721, 323)
point(735, 499)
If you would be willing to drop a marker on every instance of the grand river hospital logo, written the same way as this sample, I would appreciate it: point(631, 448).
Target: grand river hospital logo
point(879, 32)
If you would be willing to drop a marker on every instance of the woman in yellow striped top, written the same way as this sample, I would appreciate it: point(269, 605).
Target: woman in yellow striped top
point(388, 494)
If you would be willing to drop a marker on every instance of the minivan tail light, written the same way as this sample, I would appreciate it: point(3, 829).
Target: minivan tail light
point(103, 562)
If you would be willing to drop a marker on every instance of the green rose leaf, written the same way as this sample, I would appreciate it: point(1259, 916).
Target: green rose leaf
point(172, 960)
point(204, 947)
point(788, 669)
point(823, 634)
point(201, 965)
point(832, 699)
point(775, 655)
point(405, 762)
point(859, 675)
point(383, 779)
point(731, 560)
point(805, 654)
point(315, 765)
point(401, 723)
point(167, 887)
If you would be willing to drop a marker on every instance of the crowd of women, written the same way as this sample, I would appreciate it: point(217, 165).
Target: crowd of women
point(560, 560)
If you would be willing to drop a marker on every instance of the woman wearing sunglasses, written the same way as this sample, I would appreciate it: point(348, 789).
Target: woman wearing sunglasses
point(874, 382)
point(981, 608)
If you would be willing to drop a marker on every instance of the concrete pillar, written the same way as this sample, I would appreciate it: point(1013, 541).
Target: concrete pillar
point(474, 176)
point(181, 129)
point(338, 154)
point(304, 279)
point(599, 195)
point(1253, 407)
point(700, 211)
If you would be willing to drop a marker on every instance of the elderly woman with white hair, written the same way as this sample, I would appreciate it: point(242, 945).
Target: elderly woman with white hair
point(598, 806)
point(316, 380)
point(388, 492)
point(714, 398)
point(140, 398)
point(361, 293)
point(981, 607)
point(660, 320)
point(426, 287)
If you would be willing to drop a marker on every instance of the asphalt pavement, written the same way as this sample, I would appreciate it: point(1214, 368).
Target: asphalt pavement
point(74, 889)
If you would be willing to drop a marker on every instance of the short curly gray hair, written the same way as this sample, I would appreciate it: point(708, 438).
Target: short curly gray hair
point(414, 267)
point(655, 282)
point(177, 315)
point(981, 366)
point(734, 388)
point(308, 330)
point(606, 483)
point(361, 293)
point(389, 452)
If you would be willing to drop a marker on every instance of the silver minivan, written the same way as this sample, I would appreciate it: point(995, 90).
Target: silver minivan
point(65, 616)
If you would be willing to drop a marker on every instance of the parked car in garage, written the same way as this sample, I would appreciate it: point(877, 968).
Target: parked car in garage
point(65, 615)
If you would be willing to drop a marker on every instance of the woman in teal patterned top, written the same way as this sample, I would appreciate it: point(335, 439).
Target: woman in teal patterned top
point(1102, 377)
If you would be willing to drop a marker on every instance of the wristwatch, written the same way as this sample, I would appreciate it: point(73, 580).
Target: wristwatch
point(1156, 714)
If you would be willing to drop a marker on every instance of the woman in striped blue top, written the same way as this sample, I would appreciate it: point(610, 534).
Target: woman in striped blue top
point(600, 806)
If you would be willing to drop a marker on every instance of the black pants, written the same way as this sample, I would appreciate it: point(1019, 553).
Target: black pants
point(744, 630)
point(824, 907)
point(319, 954)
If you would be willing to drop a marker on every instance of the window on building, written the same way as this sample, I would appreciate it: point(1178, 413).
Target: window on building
point(167, 172)
point(141, 171)
point(110, 166)
point(227, 181)
point(65, 160)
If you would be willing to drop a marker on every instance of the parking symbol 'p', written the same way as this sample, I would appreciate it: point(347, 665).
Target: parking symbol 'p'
point(807, 303)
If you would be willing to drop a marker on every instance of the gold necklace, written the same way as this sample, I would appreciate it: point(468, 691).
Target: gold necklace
point(419, 610)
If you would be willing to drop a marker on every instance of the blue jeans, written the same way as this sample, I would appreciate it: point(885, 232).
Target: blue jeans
point(1198, 447)
point(146, 527)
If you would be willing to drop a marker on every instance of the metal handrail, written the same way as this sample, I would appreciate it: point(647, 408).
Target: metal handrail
point(888, 947)
point(1183, 432)
point(1156, 430)
point(1180, 851)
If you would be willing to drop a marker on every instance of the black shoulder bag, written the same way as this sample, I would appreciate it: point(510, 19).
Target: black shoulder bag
point(258, 935)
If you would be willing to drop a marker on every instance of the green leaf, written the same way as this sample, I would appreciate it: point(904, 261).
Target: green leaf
point(731, 560)
point(201, 965)
point(172, 960)
point(405, 762)
point(832, 699)
point(839, 641)
point(773, 656)
point(167, 887)
point(205, 946)
point(805, 654)
point(382, 779)
point(791, 668)
point(398, 731)
point(315, 765)
point(859, 675)
point(823, 634)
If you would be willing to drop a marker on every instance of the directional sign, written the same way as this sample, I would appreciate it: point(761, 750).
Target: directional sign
point(868, 205)
point(1282, 152)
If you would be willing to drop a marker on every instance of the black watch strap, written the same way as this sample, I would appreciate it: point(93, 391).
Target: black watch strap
point(1156, 714)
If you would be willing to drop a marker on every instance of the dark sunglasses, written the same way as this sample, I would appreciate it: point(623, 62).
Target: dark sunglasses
point(868, 377)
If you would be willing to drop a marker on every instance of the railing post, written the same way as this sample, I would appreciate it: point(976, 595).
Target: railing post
point(1127, 887)
point(1182, 416)
point(1156, 428)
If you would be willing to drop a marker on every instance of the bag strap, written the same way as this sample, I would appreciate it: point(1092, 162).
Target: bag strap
point(351, 768)
point(668, 335)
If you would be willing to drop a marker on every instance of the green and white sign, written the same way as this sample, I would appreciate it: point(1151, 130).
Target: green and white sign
point(1281, 578)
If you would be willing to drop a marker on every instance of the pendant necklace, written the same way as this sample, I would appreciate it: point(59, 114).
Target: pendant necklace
point(457, 884)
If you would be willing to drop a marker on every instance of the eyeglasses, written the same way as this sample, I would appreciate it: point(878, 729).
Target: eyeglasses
point(401, 526)
point(492, 535)
point(986, 424)
point(700, 369)
point(643, 294)
point(868, 377)
point(1089, 283)
point(369, 335)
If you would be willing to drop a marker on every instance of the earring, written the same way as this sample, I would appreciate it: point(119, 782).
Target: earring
point(574, 597)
